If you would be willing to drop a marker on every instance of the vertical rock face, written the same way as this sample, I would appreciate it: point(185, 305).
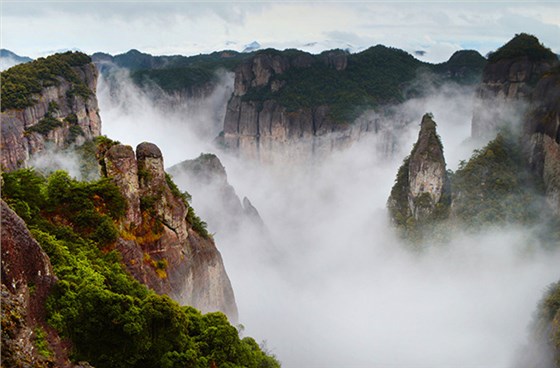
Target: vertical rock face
point(121, 167)
point(76, 118)
point(27, 279)
point(162, 249)
point(168, 208)
point(522, 80)
point(422, 180)
point(542, 135)
point(258, 129)
point(507, 81)
point(24, 263)
point(426, 172)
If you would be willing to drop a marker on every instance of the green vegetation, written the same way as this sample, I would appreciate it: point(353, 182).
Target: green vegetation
point(21, 82)
point(546, 324)
point(398, 203)
point(45, 126)
point(197, 224)
point(71, 119)
point(373, 77)
point(111, 319)
point(184, 78)
point(494, 187)
point(464, 67)
point(41, 343)
point(176, 73)
point(523, 45)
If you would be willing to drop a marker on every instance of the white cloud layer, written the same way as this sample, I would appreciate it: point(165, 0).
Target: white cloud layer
point(184, 27)
point(332, 286)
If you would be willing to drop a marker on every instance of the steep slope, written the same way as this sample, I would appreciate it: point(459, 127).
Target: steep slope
point(27, 280)
point(111, 319)
point(421, 191)
point(521, 82)
point(542, 135)
point(166, 247)
point(508, 81)
point(205, 177)
point(290, 96)
point(48, 102)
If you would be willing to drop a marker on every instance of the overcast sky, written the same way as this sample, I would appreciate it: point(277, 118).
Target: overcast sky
point(37, 28)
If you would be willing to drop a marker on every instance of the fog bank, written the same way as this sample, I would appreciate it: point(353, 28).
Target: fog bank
point(333, 286)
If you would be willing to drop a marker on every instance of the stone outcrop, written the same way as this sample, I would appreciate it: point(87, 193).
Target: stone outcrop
point(508, 82)
point(206, 179)
point(422, 182)
point(78, 118)
point(120, 165)
point(162, 249)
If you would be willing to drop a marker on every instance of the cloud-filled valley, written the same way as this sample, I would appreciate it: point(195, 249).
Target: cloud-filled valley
point(332, 284)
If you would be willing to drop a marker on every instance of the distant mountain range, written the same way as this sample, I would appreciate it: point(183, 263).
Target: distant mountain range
point(9, 59)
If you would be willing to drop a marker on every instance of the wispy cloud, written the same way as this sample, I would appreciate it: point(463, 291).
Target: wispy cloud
point(193, 27)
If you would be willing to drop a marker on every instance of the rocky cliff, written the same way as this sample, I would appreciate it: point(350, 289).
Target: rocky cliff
point(507, 83)
point(27, 280)
point(324, 101)
point(49, 102)
point(206, 179)
point(163, 247)
point(422, 186)
point(521, 86)
point(252, 123)
point(542, 135)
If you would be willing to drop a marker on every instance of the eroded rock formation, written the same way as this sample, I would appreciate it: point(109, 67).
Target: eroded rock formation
point(422, 182)
point(72, 112)
point(163, 249)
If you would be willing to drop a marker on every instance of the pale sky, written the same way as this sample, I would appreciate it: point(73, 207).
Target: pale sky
point(37, 28)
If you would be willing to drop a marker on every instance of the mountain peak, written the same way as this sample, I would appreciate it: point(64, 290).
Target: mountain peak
point(253, 46)
point(523, 44)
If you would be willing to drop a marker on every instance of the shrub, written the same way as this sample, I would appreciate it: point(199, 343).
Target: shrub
point(45, 126)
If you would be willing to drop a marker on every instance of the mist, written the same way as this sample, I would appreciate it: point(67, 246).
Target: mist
point(332, 285)
point(181, 128)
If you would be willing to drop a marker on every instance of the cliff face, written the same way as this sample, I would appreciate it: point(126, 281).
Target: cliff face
point(522, 80)
point(508, 81)
point(251, 126)
point(206, 178)
point(62, 113)
point(315, 103)
point(27, 279)
point(542, 135)
point(422, 182)
point(163, 249)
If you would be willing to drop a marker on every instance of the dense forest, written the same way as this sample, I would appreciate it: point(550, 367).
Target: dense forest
point(111, 319)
